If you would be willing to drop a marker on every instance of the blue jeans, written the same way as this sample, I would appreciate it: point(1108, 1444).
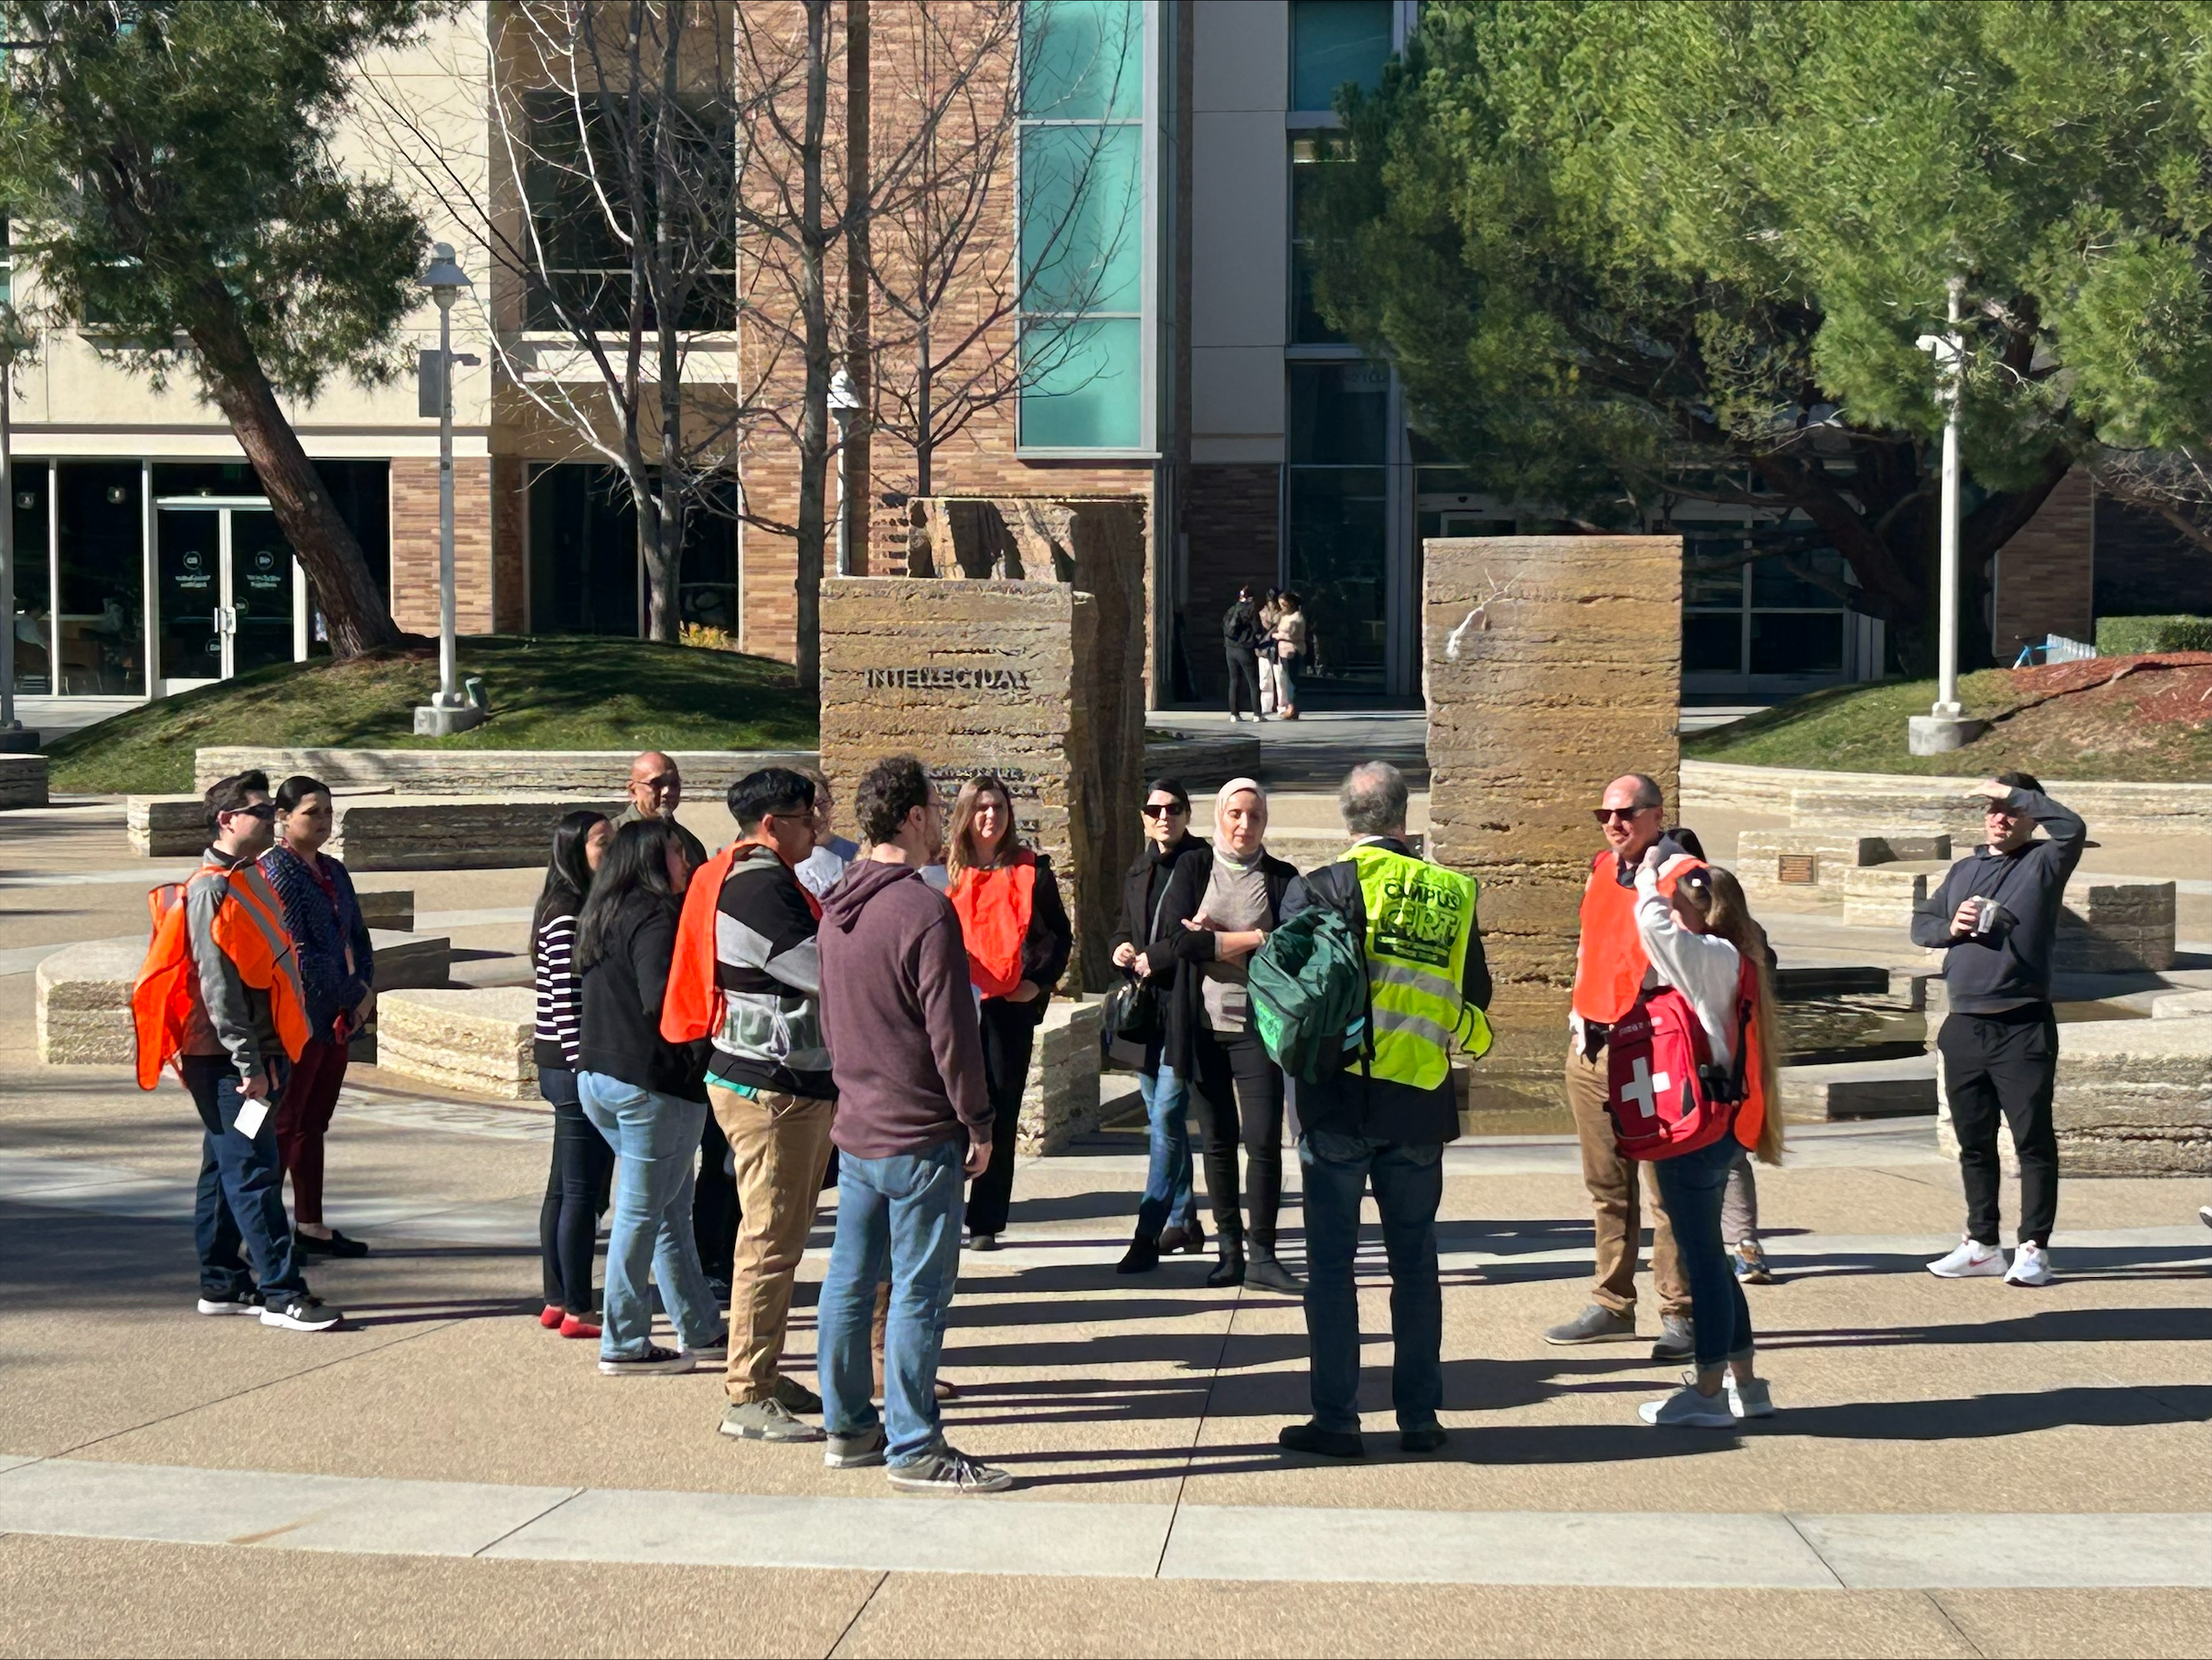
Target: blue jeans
point(1168, 1197)
point(656, 1137)
point(241, 1193)
point(905, 1210)
point(1691, 1186)
point(1409, 1182)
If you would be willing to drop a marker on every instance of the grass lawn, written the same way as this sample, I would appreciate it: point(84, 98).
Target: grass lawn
point(566, 693)
point(1861, 728)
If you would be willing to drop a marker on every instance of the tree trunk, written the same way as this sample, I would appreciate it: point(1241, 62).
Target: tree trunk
point(858, 254)
point(814, 414)
point(359, 619)
point(925, 442)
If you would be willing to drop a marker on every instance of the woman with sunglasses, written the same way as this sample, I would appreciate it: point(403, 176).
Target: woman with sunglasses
point(1167, 1217)
point(1018, 938)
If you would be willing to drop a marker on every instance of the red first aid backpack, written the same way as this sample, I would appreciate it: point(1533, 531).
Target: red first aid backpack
point(1665, 1095)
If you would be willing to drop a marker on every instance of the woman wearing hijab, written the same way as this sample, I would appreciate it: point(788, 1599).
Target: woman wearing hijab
point(1018, 939)
point(1222, 903)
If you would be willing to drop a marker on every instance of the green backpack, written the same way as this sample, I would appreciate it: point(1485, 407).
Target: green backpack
point(1309, 984)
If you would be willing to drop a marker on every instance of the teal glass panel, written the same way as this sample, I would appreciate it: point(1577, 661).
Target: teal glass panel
point(1083, 385)
point(1082, 59)
point(1082, 218)
point(1338, 565)
point(1334, 41)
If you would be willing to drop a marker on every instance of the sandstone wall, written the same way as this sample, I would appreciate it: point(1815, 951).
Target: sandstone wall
point(1551, 666)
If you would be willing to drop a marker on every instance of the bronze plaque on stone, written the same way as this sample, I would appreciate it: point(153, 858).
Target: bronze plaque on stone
point(1797, 869)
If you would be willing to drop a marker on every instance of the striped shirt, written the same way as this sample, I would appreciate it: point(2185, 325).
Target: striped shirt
point(560, 994)
point(769, 970)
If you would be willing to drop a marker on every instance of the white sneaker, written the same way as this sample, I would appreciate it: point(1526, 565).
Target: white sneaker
point(2031, 1266)
point(2203, 1215)
point(230, 1305)
point(1753, 1399)
point(1687, 1409)
point(1971, 1258)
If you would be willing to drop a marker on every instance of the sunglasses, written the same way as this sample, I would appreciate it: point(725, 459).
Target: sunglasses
point(266, 809)
point(1164, 810)
point(1605, 815)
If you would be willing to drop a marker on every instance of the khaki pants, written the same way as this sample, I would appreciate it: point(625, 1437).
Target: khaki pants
point(781, 1144)
point(1611, 1181)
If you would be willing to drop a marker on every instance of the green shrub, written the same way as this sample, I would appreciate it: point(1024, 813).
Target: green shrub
point(2124, 636)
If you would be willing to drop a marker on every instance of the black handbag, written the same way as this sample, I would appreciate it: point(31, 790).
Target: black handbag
point(1131, 1016)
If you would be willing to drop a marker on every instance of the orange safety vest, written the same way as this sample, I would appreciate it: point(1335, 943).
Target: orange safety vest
point(994, 906)
point(250, 932)
point(1609, 969)
point(691, 1007)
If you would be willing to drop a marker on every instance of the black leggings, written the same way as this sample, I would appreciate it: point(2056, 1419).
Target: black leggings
point(1243, 677)
point(713, 1205)
point(576, 1196)
point(1009, 1034)
point(1238, 1086)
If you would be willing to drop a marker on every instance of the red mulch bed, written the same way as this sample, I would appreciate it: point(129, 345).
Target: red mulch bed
point(2158, 688)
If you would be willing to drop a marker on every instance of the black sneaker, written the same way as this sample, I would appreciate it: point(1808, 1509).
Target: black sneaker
point(1428, 1438)
point(654, 1361)
point(300, 1315)
point(1329, 1444)
point(1596, 1324)
point(337, 1245)
point(949, 1471)
point(1677, 1341)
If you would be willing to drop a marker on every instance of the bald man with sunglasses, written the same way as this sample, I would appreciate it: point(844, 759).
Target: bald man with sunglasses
point(1611, 970)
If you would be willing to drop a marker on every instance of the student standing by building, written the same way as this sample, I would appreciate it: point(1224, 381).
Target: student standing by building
point(1167, 1216)
point(1290, 648)
point(1701, 941)
point(1018, 939)
point(1240, 637)
point(1270, 607)
point(583, 1162)
point(747, 975)
point(1382, 1123)
point(1996, 919)
point(1611, 972)
point(337, 975)
point(1221, 906)
point(913, 1116)
point(219, 995)
point(647, 1097)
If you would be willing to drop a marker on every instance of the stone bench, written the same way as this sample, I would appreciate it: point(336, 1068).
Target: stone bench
point(23, 781)
point(2104, 927)
point(387, 908)
point(2182, 1006)
point(453, 832)
point(447, 772)
point(1062, 1099)
point(475, 1041)
point(2134, 1096)
point(166, 827)
point(1203, 762)
point(1805, 869)
point(1901, 1087)
point(1883, 801)
point(82, 993)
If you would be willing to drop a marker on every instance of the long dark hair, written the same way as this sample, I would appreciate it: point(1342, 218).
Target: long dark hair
point(637, 861)
point(568, 872)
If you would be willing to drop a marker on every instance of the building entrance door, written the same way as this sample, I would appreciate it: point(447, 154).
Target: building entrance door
point(229, 591)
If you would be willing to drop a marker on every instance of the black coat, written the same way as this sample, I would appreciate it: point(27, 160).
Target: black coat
point(623, 987)
point(1191, 947)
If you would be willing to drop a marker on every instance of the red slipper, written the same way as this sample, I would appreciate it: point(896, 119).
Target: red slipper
point(570, 1327)
point(552, 1317)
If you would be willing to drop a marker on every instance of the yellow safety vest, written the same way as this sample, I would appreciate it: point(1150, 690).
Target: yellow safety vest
point(1419, 918)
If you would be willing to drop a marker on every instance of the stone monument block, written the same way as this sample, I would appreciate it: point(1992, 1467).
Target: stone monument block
point(1038, 680)
point(478, 1041)
point(82, 1009)
point(1552, 665)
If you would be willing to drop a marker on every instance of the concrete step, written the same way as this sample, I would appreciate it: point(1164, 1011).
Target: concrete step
point(1901, 1087)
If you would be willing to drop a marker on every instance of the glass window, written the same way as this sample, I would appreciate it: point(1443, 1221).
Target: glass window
point(1340, 414)
point(1308, 327)
point(101, 611)
point(1080, 60)
point(1334, 41)
point(1336, 565)
point(1797, 641)
point(706, 576)
point(1712, 642)
point(33, 670)
point(584, 576)
point(1082, 226)
point(1081, 387)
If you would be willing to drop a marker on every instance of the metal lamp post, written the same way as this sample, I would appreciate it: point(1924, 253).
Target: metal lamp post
point(13, 342)
point(843, 404)
point(449, 711)
point(1945, 728)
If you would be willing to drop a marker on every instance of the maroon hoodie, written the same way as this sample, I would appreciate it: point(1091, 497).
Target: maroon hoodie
point(897, 1014)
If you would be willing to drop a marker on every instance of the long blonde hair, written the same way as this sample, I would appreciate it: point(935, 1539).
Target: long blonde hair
point(1719, 899)
point(960, 844)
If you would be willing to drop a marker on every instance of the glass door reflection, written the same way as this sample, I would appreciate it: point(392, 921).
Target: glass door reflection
point(228, 588)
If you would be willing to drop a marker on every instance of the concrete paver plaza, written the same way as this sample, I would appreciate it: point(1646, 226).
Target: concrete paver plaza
point(1957, 1468)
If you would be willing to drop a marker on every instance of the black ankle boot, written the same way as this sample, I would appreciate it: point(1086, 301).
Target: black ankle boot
point(1184, 1241)
point(1270, 1274)
point(1230, 1269)
point(1142, 1257)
